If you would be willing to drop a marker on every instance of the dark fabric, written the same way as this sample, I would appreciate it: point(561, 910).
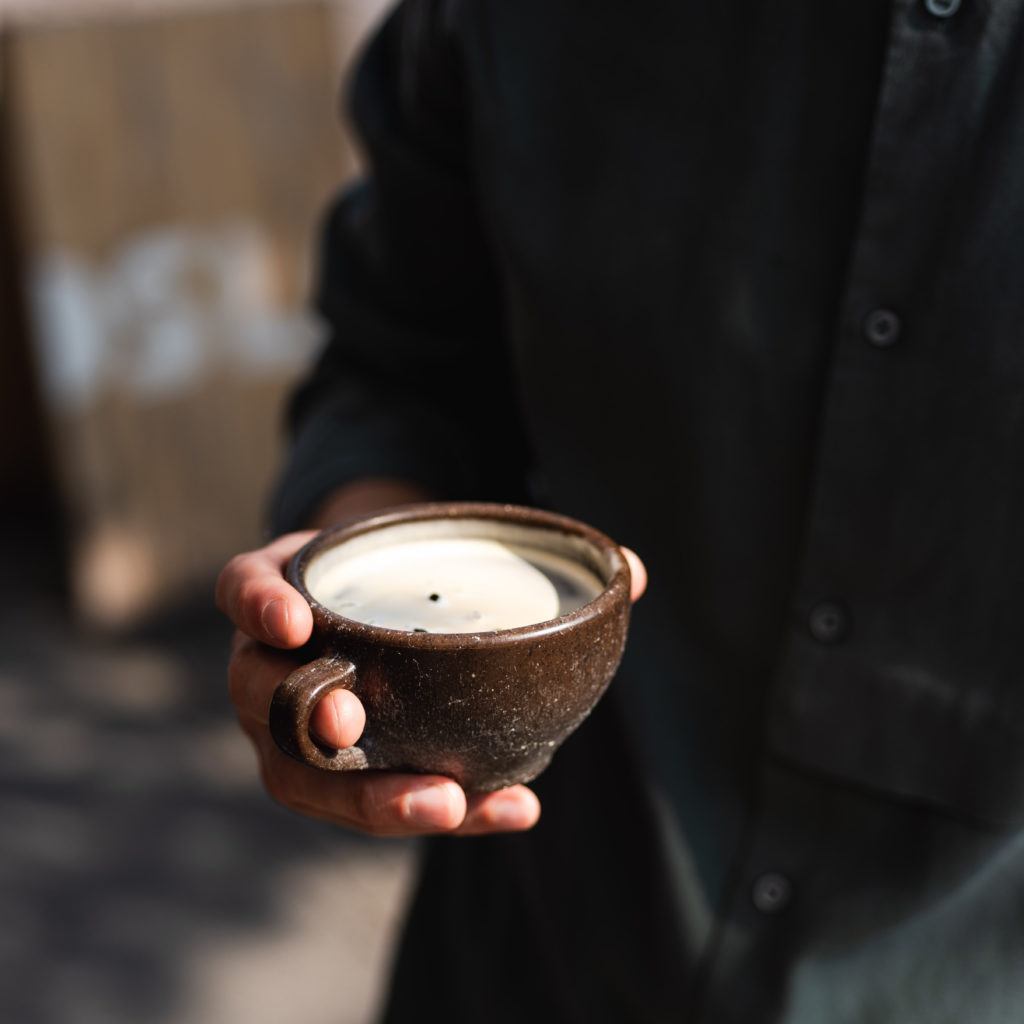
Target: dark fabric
point(740, 285)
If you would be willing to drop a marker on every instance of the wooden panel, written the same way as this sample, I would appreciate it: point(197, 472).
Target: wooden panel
point(172, 171)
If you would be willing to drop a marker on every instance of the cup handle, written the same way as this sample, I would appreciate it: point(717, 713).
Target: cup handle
point(291, 708)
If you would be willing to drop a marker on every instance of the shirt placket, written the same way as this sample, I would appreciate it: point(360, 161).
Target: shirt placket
point(826, 710)
point(876, 352)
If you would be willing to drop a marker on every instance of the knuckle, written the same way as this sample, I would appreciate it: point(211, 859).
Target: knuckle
point(237, 565)
point(226, 579)
point(365, 807)
point(249, 728)
point(237, 679)
point(220, 588)
point(275, 792)
point(244, 655)
point(273, 782)
point(249, 594)
point(241, 666)
point(239, 641)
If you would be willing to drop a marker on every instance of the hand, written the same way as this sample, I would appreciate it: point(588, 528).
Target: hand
point(269, 614)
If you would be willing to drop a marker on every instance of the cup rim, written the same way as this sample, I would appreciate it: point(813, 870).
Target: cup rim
point(327, 621)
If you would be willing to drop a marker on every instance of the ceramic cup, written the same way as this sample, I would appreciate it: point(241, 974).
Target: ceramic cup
point(488, 709)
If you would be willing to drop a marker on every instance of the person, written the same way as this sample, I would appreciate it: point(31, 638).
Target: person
point(740, 285)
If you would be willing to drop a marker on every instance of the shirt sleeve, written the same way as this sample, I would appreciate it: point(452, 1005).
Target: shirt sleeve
point(414, 380)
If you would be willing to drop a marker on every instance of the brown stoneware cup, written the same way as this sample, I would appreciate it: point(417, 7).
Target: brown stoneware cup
point(488, 709)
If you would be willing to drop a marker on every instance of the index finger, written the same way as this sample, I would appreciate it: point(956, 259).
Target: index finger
point(252, 591)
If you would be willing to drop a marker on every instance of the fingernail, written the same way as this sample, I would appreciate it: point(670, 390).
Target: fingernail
point(433, 807)
point(274, 618)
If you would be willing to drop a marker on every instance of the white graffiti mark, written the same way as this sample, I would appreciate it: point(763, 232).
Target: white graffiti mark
point(165, 310)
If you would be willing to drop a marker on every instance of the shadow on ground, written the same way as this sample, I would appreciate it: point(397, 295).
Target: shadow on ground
point(144, 876)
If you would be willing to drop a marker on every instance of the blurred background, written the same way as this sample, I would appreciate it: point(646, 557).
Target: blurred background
point(163, 166)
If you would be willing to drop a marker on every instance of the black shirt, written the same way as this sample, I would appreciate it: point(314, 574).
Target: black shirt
point(741, 285)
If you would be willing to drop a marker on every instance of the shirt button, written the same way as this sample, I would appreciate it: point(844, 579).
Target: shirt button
point(828, 622)
point(771, 892)
point(882, 328)
point(942, 8)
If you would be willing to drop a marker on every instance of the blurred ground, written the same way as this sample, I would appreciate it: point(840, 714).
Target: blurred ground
point(143, 875)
